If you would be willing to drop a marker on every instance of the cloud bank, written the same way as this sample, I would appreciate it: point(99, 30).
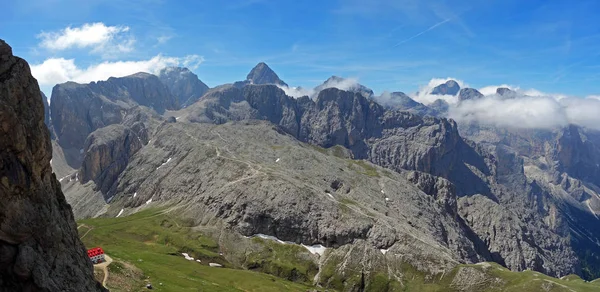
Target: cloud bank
point(348, 84)
point(58, 70)
point(527, 109)
point(529, 112)
point(100, 38)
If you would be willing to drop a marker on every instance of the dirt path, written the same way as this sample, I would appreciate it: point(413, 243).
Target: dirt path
point(86, 233)
point(104, 267)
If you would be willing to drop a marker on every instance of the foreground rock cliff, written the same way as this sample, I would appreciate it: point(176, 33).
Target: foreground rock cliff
point(39, 245)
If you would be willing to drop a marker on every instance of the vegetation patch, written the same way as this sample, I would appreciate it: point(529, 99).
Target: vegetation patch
point(146, 248)
point(291, 262)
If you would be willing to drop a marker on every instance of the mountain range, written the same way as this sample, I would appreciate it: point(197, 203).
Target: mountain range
point(379, 182)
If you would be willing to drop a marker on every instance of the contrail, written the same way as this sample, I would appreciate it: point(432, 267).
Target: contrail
point(419, 34)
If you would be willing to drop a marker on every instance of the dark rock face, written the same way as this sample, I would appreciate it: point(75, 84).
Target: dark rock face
point(46, 109)
point(79, 109)
point(469, 94)
point(448, 88)
point(183, 84)
point(107, 153)
point(262, 74)
point(39, 246)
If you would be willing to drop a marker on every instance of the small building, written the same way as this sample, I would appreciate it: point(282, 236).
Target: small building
point(96, 255)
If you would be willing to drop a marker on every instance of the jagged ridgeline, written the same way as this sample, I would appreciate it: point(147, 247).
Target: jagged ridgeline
point(337, 189)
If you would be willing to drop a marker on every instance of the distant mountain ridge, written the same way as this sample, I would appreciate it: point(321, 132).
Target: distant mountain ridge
point(493, 189)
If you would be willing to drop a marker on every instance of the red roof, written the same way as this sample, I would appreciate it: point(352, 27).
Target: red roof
point(95, 251)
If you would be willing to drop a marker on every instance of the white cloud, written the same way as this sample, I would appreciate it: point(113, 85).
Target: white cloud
point(163, 39)
point(297, 92)
point(490, 90)
point(102, 39)
point(424, 95)
point(528, 111)
point(348, 84)
point(523, 112)
point(59, 70)
point(583, 112)
point(340, 83)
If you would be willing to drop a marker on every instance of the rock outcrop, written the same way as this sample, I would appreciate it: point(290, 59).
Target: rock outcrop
point(183, 84)
point(107, 153)
point(40, 248)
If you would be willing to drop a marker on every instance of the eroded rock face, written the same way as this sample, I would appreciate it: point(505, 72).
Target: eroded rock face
point(107, 153)
point(39, 246)
point(79, 109)
point(183, 84)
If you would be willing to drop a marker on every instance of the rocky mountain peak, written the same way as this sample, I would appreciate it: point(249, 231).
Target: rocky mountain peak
point(506, 92)
point(263, 74)
point(469, 94)
point(183, 84)
point(345, 84)
point(451, 87)
point(40, 248)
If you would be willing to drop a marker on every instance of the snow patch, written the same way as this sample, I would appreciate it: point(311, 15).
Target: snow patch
point(168, 160)
point(120, 212)
point(315, 249)
point(109, 199)
point(187, 256)
point(134, 194)
point(199, 261)
point(382, 192)
point(269, 237)
point(277, 160)
point(149, 201)
point(387, 199)
point(330, 195)
point(215, 265)
point(383, 251)
point(177, 118)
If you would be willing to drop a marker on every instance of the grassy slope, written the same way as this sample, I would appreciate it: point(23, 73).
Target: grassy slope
point(149, 244)
point(153, 242)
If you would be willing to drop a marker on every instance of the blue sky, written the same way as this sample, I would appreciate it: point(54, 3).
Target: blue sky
point(552, 46)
